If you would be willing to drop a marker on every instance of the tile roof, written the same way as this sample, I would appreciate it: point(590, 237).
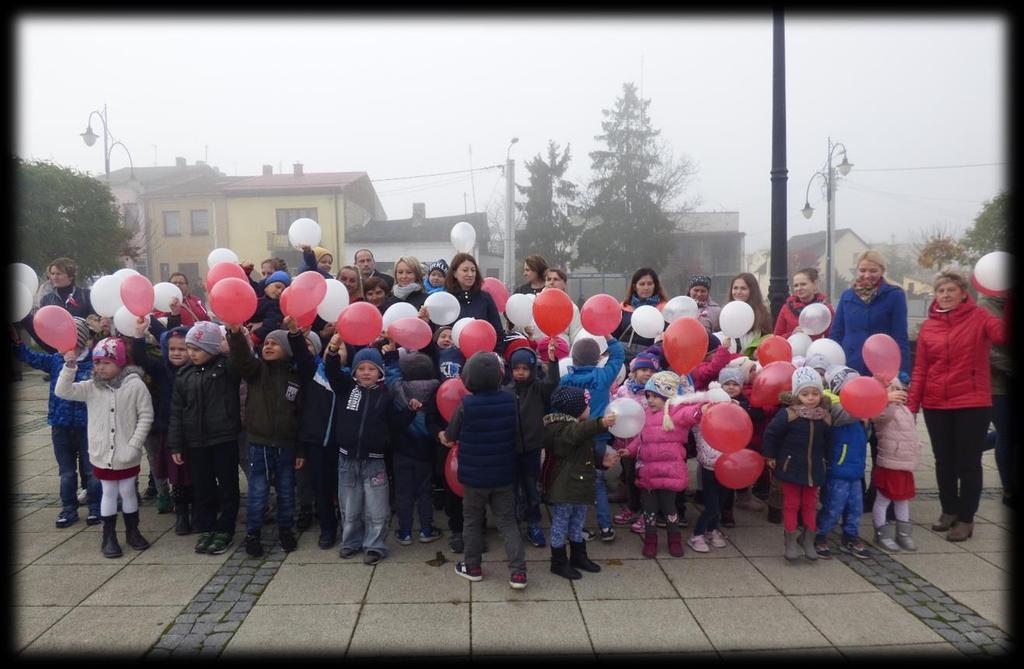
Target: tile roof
point(292, 182)
point(425, 230)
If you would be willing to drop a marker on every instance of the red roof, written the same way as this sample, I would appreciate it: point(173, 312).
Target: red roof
point(290, 181)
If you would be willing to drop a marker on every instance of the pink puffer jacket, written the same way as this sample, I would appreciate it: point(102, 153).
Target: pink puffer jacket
point(899, 446)
point(660, 454)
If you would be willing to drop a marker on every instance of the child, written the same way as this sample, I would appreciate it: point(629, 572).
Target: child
point(730, 379)
point(660, 453)
point(485, 426)
point(847, 449)
point(598, 381)
point(641, 368)
point(68, 427)
point(304, 488)
point(268, 316)
point(202, 434)
point(795, 438)
point(899, 449)
point(120, 415)
point(706, 530)
point(317, 259)
point(434, 281)
point(271, 425)
point(568, 484)
point(366, 413)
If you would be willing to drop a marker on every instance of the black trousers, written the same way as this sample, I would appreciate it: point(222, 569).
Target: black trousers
point(663, 501)
point(215, 481)
point(958, 440)
point(322, 462)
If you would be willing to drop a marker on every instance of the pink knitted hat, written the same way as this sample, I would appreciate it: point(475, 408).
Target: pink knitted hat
point(111, 349)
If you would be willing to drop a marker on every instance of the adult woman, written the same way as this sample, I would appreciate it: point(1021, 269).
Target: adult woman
point(744, 288)
point(353, 280)
point(708, 310)
point(951, 383)
point(192, 309)
point(375, 291)
point(871, 306)
point(534, 270)
point(805, 291)
point(409, 282)
point(66, 294)
point(557, 278)
point(644, 289)
point(464, 282)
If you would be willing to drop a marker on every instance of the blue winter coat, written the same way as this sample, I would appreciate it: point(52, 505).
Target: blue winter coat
point(847, 451)
point(487, 439)
point(597, 380)
point(60, 412)
point(855, 321)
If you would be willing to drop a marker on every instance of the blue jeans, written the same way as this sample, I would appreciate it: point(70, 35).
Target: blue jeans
point(262, 461)
point(841, 496)
point(527, 473)
point(567, 523)
point(713, 493)
point(71, 448)
point(363, 497)
point(1005, 456)
point(604, 513)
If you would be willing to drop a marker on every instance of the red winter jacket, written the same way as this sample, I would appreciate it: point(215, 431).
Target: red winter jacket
point(789, 315)
point(951, 369)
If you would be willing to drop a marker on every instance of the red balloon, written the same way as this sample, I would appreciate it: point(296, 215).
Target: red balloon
point(882, 356)
point(137, 294)
point(727, 427)
point(360, 323)
point(284, 300)
point(56, 327)
point(307, 291)
point(411, 332)
point(774, 348)
point(775, 378)
point(305, 320)
point(449, 396)
point(451, 470)
point(477, 335)
point(233, 299)
point(224, 270)
point(686, 343)
point(986, 291)
point(601, 314)
point(552, 311)
point(740, 469)
point(863, 397)
point(498, 291)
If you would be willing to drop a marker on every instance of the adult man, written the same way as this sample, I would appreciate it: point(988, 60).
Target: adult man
point(700, 286)
point(368, 268)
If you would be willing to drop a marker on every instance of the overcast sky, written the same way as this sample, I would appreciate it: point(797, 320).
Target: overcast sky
point(408, 96)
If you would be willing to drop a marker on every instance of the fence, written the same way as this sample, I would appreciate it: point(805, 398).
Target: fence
point(584, 285)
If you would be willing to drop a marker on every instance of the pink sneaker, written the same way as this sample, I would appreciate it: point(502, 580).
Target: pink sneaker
point(697, 543)
point(638, 525)
point(715, 538)
point(623, 518)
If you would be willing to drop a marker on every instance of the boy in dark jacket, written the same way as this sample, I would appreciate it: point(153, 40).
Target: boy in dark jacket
point(485, 427)
point(203, 431)
point(268, 316)
point(569, 485)
point(272, 425)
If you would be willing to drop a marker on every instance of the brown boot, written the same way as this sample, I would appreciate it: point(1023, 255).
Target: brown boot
point(960, 532)
point(944, 522)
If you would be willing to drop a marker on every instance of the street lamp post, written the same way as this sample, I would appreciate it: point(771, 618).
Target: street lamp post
point(89, 137)
point(829, 176)
point(510, 204)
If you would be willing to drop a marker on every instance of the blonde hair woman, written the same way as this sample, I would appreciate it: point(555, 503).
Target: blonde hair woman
point(409, 282)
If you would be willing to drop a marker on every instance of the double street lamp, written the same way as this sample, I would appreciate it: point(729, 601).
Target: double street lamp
point(89, 137)
point(829, 176)
point(510, 204)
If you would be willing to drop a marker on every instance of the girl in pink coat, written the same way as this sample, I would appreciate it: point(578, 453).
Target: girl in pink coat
point(899, 449)
point(660, 453)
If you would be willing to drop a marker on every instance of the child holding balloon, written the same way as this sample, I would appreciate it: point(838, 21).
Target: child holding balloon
point(268, 316)
point(899, 449)
point(641, 368)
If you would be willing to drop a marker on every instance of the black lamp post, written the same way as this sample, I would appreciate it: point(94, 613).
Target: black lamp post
point(777, 284)
point(89, 137)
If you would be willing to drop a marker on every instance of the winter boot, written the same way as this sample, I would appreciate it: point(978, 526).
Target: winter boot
point(110, 547)
point(675, 543)
point(131, 531)
point(578, 557)
point(560, 564)
point(183, 525)
point(164, 503)
point(885, 538)
point(944, 522)
point(792, 547)
point(960, 532)
point(650, 549)
point(807, 541)
point(905, 535)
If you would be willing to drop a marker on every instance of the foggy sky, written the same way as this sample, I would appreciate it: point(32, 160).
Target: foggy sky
point(408, 96)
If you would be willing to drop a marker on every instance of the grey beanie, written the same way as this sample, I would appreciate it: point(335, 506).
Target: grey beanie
point(206, 336)
point(817, 361)
point(836, 377)
point(281, 337)
point(806, 377)
point(730, 374)
point(585, 352)
point(314, 339)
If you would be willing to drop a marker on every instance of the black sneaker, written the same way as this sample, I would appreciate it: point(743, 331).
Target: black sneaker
point(66, 519)
point(607, 534)
point(327, 540)
point(253, 546)
point(372, 557)
point(304, 519)
point(288, 542)
point(219, 544)
point(93, 518)
point(347, 553)
point(204, 542)
point(856, 548)
point(822, 549)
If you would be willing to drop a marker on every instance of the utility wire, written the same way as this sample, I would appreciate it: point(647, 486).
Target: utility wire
point(859, 186)
point(929, 167)
point(441, 174)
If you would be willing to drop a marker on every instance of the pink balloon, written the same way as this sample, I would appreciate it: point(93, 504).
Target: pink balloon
point(233, 299)
point(449, 396)
point(739, 469)
point(882, 356)
point(224, 270)
point(307, 290)
point(360, 323)
point(451, 470)
point(498, 292)
point(411, 332)
point(478, 335)
point(56, 327)
point(601, 314)
point(137, 294)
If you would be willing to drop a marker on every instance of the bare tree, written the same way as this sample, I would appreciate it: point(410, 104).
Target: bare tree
point(673, 176)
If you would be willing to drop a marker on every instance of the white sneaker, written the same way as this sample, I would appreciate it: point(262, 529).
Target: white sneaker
point(715, 538)
point(697, 543)
point(82, 496)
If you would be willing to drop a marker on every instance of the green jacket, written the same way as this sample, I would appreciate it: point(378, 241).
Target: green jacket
point(999, 357)
point(569, 447)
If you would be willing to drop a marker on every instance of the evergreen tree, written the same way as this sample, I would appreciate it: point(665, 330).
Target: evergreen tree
point(551, 203)
point(989, 232)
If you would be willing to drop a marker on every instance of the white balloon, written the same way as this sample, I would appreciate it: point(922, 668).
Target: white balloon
point(993, 271)
point(443, 308)
point(304, 232)
point(799, 342)
point(815, 318)
point(106, 295)
point(717, 395)
point(19, 271)
point(736, 319)
point(21, 302)
point(647, 321)
point(123, 274)
point(396, 311)
point(163, 293)
point(334, 302)
point(602, 343)
point(457, 328)
point(678, 307)
point(463, 237)
point(519, 309)
point(629, 417)
point(124, 321)
point(832, 351)
point(221, 255)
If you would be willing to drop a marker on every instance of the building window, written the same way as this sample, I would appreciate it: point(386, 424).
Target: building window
point(285, 218)
point(200, 221)
point(172, 224)
point(165, 271)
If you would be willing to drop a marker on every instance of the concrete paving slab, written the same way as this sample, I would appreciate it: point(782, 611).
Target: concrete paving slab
point(500, 628)
point(497, 549)
point(863, 619)
point(626, 546)
point(754, 623)
point(395, 582)
point(295, 630)
point(421, 553)
point(343, 582)
point(26, 469)
point(758, 541)
point(654, 625)
point(31, 621)
point(995, 606)
point(987, 538)
point(59, 585)
point(170, 548)
point(308, 552)
point(43, 520)
point(408, 629)
point(45, 483)
point(105, 630)
point(20, 511)
point(732, 577)
point(938, 651)
point(956, 571)
point(805, 577)
point(544, 586)
point(632, 579)
point(150, 522)
point(994, 511)
point(84, 548)
point(933, 542)
point(1001, 559)
point(804, 654)
point(153, 585)
point(29, 546)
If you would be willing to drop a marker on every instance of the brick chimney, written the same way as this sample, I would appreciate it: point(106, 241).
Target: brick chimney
point(419, 213)
point(179, 162)
point(268, 170)
point(297, 169)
